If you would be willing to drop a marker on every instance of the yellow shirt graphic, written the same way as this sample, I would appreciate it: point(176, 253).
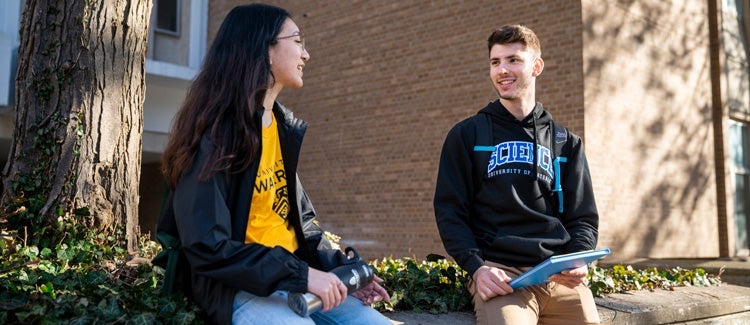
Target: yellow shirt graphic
point(267, 223)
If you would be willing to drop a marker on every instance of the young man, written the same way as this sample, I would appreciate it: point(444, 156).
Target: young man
point(496, 203)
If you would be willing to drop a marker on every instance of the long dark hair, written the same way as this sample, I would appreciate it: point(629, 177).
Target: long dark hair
point(226, 96)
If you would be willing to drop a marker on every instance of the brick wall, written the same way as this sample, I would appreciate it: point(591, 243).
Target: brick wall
point(386, 81)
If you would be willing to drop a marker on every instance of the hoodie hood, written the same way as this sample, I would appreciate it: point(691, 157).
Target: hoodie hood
point(538, 117)
point(500, 113)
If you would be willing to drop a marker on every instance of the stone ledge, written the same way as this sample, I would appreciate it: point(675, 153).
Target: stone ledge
point(683, 304)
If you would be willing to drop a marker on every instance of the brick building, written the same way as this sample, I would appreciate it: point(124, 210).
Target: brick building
point(658, 90)
point(634, 78)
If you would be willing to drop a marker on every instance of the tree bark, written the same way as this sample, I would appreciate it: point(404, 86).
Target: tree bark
point(80, 87)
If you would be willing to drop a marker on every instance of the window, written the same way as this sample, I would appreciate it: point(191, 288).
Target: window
point(168, 16)
point(740, 157)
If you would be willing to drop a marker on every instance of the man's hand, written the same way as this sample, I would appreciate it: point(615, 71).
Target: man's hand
point(490, 282)
point(327, 286)
point(372, 292)
point(571, 278)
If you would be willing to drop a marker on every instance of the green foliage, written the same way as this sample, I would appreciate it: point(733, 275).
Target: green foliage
point(435, 286)
point(619, 278)
point(439, 286)
point(83, 277)
point(82, 281)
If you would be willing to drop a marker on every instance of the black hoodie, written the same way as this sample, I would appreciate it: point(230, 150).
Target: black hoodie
point(509, 216)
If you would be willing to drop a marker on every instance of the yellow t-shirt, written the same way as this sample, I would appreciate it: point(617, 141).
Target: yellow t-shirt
point(267, 223)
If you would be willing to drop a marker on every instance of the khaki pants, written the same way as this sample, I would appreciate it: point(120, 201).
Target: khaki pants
point(549, 303)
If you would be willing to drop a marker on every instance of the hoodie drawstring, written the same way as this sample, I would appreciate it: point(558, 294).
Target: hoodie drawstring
point(556, 164)
point(536, 155)
point(558, 172)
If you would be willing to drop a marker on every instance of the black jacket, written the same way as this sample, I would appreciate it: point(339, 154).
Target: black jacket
point(508, 215)
point(211, 217)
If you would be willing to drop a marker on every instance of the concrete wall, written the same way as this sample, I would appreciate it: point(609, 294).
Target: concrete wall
point(649, 135)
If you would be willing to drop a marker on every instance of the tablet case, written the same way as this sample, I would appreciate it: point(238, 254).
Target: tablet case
point(556, 264)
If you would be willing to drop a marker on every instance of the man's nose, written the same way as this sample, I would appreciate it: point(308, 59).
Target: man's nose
point(501, 68)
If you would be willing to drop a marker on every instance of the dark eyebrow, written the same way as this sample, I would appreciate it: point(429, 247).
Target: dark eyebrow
point(513, 56)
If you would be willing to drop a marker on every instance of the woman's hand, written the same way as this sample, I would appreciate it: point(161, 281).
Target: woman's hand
point(571, 278)
point(327, 286)
point(372, 292)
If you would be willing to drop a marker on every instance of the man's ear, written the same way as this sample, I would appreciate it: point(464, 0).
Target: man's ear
point(538, 67)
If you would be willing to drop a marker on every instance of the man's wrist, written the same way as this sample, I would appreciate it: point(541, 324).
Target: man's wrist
point(472, 264)
point(482, 268)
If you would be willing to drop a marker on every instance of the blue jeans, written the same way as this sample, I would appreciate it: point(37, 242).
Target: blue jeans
point(252, 309)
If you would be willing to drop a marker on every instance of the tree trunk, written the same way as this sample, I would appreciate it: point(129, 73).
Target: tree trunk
point(80, 87)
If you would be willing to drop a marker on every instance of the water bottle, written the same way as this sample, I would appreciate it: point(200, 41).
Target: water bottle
point(355, 274)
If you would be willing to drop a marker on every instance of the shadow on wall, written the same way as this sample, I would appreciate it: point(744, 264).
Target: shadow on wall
point(653, 71)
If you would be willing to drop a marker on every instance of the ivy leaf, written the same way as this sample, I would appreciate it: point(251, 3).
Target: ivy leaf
point(434, 257)
point(30, 251)
point(48, 288)
point(183, 318)
point(110, 308)
point(143, 319)
point(28, 316)
point(83, 320)
point(64, 253)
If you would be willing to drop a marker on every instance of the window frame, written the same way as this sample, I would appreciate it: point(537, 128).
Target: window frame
point(178, 19)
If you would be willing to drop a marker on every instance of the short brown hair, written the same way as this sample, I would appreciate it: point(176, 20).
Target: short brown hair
point(509, 34)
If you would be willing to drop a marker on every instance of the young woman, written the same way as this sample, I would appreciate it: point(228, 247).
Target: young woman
point(245, 223)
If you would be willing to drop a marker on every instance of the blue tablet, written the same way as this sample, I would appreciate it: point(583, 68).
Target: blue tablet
point(556, 264)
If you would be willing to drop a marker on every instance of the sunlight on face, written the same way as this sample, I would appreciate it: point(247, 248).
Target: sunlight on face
point(288, 56)
point(513, 70)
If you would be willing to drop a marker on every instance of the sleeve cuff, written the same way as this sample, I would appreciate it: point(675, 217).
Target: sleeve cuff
point(472, 264)
point(296, 283)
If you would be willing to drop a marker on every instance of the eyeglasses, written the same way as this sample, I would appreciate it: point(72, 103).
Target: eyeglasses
point(300, 42)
